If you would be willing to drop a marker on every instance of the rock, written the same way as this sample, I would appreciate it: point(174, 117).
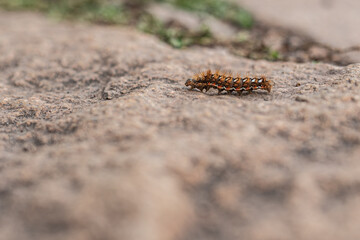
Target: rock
point(318, 23)
point(157, 161)
point(192, 21)
point(274, 40)
point(167, 14)
point(349, 56)
point(316, 52)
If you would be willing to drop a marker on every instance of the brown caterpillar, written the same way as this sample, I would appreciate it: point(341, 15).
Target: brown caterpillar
point(221, 82)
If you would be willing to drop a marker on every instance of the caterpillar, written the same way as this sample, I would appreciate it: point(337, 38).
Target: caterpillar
point(223, 81)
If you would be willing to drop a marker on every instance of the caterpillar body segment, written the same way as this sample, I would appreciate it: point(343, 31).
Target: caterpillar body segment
point(226, 82)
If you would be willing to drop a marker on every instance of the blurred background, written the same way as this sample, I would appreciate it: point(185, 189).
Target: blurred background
point(281, 30)
point(100, 139)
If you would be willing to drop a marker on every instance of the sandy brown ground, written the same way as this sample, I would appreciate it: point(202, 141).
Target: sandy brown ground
point(100, 139)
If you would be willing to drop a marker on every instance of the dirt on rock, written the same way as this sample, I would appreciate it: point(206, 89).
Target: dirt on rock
point(100, 139)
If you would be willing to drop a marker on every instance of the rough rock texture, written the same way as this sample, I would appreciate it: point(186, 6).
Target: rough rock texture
point(331, 22)
point(100, 139)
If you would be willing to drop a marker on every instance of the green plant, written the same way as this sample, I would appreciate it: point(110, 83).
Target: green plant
point(273, 55)
point(175, 36)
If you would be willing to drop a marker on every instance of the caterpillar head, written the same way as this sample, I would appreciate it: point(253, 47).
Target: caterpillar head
point(265, 83)
point(189, 82)
point(268, 84)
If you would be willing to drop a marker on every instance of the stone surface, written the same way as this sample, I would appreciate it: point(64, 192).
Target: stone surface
point(353, 56)
point(331, 22)
point(100, 139)
point(192, 21)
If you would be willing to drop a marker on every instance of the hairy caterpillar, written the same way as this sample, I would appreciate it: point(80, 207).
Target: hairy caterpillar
point(221, 82)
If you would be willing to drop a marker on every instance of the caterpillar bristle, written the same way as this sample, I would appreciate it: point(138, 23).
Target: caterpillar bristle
point(196, 76)
point(229, 82)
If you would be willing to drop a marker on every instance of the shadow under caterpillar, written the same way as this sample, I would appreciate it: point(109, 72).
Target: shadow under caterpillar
point(226, 82)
